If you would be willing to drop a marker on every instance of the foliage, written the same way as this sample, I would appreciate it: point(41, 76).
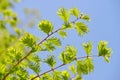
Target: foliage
point(88, 47)
point(68, 55)
point(104, 50)
point(75, 11)
point(21, 51)
point(64, 14)
point(45, 26)
point(81, 28)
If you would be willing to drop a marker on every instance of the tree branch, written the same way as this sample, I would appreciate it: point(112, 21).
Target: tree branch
point(17, 63)
point(61, 66)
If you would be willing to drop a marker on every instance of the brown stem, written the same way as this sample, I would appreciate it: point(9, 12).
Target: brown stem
point(61, 66)
point(37, 44)
point(48, 71)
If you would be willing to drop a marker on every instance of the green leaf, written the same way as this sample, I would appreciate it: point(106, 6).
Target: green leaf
point(21, 73)
point(85, 17)
point(81, 67)
point(50, 61)
point(28, 40)
point(2, 24)
point(62, 34)
point(57, 75)
point(75, 11)
point(73, 69)
point(104, 50)
point(36, 48)
point(64, 14)
point(68, 55)
point(46, 76)
point(88, 47)
point(32, 76)
point(14, 54)
point(81, 28)
point(65, 75)
point(55, 41)
point(106, 59)
point(67, 26)
point(46, 26)
point(78, 77)
point(85, 66)
point(49, 46)
point(8, 12)
point(90, 65)
point(34, 58)
point(34, 66)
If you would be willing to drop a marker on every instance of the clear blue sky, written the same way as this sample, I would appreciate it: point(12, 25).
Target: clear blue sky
point(104, 25)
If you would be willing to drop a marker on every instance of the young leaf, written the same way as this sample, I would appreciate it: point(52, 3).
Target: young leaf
point(55, 41)
point(46, 76)
point(49, 46)
point(34, 66)
point(62, 34)
point(104, 50)
point(67, 26)
point(28, 40)
point(73, 69)
point(57, 75)
point(68, 55)
point(81, 28)
point(2, 24)
point(85, 17)
point(50, 61)
point(81, 67)
point(51, 43)
point(65, 75)
point(90, 65)
point(85, 66)
point(64, 14)
point(78, 77)
point(21, 73)
point(46, 26)
point(36, 48)
point(75, 11)
point(88, 47)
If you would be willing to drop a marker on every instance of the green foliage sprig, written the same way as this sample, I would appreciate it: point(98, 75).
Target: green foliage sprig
point(23, 55)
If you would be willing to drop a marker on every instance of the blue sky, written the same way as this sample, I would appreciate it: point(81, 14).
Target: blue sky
point(104, 25)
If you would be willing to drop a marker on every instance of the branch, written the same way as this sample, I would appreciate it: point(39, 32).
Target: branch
point(31, 52)
point(61, 66)
point(17, 63)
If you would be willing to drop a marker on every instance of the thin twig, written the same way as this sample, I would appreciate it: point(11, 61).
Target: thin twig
point(61, 66)
point(48, 71)
point(38, 44)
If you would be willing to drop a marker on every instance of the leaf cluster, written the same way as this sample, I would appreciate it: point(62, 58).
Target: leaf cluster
point(20, 51)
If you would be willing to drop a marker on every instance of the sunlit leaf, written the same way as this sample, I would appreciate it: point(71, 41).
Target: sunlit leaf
point(63, 34)
point(64, 14)
point(50, 60)
point(75, 11)
point(65, 75)
point(85, 17)
point(85, 66)
point(81, 28)
point(73, 69)
point(45, 26)
point(104, 50)
point(68, 55)
point(28, 40)
point(88, 47)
